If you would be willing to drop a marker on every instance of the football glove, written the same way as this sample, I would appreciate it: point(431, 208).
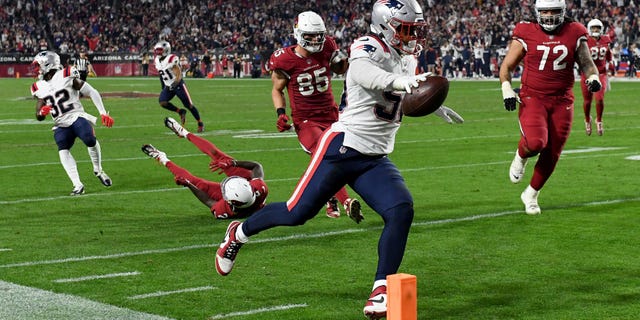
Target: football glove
point(448, 115)
point(593, 83)
point(509, 96)
point(405, 83)
point(107, 121)
point(220, 165)
point(282, 122)
point(44, 111)
point(337, 56)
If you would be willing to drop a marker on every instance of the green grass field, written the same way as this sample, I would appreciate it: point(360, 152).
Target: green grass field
point(146, 245)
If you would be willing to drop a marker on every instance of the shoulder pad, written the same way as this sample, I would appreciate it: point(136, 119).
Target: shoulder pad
point(173, 59)
point(370, 47)
point(71, 72)
point(34, 88)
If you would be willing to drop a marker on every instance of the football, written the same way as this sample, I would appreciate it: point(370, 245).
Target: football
point(426, 98)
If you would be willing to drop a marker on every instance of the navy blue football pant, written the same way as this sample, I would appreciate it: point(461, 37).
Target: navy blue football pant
point(375, 178)
point(183, 94)
point(81, 128)
point(180, 91)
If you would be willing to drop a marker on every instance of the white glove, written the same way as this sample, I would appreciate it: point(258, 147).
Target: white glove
point(338, 56)
point(405, 83)
point(448, 115)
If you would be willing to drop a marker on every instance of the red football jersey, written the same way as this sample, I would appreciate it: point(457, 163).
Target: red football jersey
point(222, 209)
point(600, 52)
point(309, 89)
point(548, 64)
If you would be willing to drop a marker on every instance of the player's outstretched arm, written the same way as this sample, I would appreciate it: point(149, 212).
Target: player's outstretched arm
point(257, 172)
point(201, 195)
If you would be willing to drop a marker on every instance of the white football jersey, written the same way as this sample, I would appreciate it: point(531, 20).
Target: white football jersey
point(63, 98)
point(165, 68)
point(372, 115)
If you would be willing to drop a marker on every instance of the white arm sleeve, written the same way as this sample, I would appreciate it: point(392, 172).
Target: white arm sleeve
point(370, 76)
point(88, 90)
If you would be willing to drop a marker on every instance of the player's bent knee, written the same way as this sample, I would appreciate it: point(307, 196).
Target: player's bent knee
point(400, 214)
point(535, 145)
point(89, 140)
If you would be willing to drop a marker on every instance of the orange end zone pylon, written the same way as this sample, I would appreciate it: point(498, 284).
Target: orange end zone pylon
point(402, 294)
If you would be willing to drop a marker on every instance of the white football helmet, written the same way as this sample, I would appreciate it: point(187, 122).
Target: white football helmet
point(550, 22)
point(46, 61)
point(309, 31)
point(162, 48)
point(237, 192)
point(597, 24)
point(400, 23)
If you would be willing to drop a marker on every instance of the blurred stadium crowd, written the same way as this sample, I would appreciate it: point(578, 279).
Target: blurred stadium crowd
point(459, 31)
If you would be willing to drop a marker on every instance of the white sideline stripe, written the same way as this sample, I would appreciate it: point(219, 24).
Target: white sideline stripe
point(90, 195)
point(27, 303)
point(596, 149)
point(256, 311)
point(306, 235)
point(5, 249)
point(166, 293)
point(102, 276)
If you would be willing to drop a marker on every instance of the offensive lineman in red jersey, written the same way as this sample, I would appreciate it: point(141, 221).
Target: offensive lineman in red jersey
point(549, 49)
point(305, 70)
point(601, 54)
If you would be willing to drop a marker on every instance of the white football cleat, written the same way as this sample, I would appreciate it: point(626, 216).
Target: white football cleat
point(530, 199)
point(154, 153)
point(516, 171)
point(77, 191)
point(104, 178)
point(228, 250)
point(587, 127)
point(333, 211)
point(179, 130)
point(376, 305)
point(354, 210)
point(599, 127)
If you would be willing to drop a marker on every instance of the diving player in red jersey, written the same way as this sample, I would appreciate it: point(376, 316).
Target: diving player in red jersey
point(598, 43)
point(549, 49)
point(239, 195)
point(304, 70)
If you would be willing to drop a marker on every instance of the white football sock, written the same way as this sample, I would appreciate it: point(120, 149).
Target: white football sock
point(69, 165)
point(378, 283)
point(240, 235)
point(95, 153)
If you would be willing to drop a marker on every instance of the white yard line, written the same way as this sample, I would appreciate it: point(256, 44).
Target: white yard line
point(101, 276)
point(166, 293)
point(301, 236)
point(256, 311)
point(628, 155)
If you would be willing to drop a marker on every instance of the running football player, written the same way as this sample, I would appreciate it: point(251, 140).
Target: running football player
point(304, 70)
point(170, 73)
point(599, 46)
point(58, 94)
